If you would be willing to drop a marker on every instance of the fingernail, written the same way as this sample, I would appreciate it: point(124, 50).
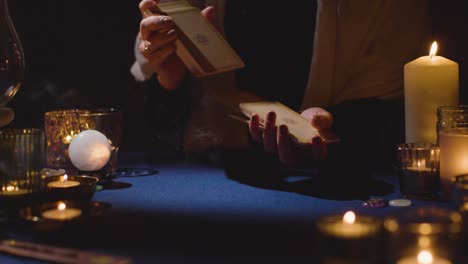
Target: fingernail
point(271, 115)
point(166, 20)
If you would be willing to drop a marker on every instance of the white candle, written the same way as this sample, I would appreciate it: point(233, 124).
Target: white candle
point(62, 213)
point(423, 257)
point(430, 82)
point(90, 150)
point(62, 183)
point(453, 156)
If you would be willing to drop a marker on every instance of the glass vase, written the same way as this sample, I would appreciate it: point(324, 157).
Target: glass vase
point(11, 57)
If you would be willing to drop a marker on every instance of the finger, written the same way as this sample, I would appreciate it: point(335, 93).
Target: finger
point(254, 128)
point(322, 121)
point(154, 24)
point(320, 118)
point(319, 151)
point(158, 57)
point(269, 133)
point(158, 41)
point(285, 148)
point(209, 13)
point(147, 4)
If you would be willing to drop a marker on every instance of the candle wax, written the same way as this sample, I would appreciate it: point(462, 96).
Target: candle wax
point(65, 214)
point(362, 227)
point(62, 184)
point(429, 82)
point(414, 260)
point(453, 156)
point(14, 192)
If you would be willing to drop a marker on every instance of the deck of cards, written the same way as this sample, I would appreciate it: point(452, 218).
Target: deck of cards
point(200, 46)
point(299, 127)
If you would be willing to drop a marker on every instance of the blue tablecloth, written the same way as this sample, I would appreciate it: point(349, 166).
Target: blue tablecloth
point(199, 213)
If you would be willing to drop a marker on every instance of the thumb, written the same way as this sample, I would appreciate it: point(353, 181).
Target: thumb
point(209, 13)
point(319, 118)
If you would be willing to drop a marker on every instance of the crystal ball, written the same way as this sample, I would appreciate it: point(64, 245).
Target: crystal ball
point(90, 150)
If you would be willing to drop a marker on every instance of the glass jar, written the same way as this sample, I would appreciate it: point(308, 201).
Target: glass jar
point(451, 116)
point(452, 137)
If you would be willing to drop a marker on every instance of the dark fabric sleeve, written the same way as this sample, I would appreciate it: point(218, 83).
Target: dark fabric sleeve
point(163, 114)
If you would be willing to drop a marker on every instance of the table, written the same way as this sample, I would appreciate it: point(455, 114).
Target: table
point(190, 212)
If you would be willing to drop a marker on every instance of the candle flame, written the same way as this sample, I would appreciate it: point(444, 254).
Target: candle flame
point(433, 49)
point(64, 178)
point(62, 206)
point(349, 218)
point(425, 257)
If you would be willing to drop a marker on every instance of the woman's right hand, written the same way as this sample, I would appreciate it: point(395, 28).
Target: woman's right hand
point(157, 44)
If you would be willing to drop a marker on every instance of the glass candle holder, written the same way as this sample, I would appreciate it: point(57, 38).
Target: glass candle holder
point(60, 128)
point(459, 190)
point(424, 233)
point(418, 170)
point(463, 209)
point(63, 126)
point(110, 123)
point(21, 161)
point(350, 239)
point(452, 137)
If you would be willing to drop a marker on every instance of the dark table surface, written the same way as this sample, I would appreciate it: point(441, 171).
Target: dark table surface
point(191, 212)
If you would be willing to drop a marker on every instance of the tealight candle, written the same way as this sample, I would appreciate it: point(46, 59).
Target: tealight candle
point(423, 257)
point(62, 213)
point(90, 150)
point(62, 183)
point(12, 191)
point(349, 227)
point(349, 238)
point(419, 177)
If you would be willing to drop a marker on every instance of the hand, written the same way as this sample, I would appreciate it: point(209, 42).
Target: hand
point(158, 36)
point(6, 116)
point(278, 141)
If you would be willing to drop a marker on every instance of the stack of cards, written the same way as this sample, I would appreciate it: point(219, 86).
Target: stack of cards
point(299, 127)
point(200, 46)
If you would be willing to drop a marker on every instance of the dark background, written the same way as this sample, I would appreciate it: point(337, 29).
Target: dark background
point(78, 55)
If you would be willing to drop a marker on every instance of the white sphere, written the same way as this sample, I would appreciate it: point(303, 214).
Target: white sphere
point(90, 150)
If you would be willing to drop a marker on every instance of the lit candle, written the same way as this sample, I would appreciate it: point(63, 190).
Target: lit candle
point(12, 190)
point(353, 235)
point(453, 156)
point(424, 257)
point(62, 213)
point(90, 150)
point(419, 166)
point(430, 81)
point(63, 182)
point(350, 226)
